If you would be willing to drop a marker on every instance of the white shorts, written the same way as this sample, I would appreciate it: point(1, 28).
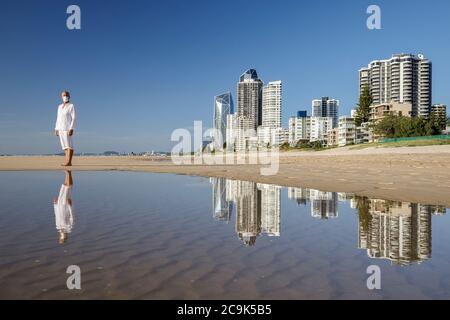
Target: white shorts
point(65, 139)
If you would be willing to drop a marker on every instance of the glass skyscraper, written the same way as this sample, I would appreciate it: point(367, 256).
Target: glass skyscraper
point(223, 106)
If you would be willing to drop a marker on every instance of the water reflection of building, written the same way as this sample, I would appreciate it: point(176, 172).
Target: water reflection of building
point(397, 231)
point(257, 207)
point(222, 207)
point(270, 209)
point(324, 205)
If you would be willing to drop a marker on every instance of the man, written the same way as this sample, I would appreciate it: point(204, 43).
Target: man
point(65, 124)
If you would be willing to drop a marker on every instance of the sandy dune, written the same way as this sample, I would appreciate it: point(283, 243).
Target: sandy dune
point(420, 174)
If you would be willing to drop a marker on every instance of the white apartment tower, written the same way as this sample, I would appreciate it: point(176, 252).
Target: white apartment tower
point(403, 78)
point(271, 105)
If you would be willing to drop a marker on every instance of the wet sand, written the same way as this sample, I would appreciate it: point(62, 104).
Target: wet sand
point(418, 175)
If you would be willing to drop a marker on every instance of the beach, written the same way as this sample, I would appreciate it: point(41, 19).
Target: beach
point(410, 174)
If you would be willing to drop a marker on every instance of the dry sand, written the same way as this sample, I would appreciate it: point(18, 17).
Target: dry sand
point(419, 174)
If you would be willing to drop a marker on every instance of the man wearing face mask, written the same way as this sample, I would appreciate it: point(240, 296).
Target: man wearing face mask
point(65, 124)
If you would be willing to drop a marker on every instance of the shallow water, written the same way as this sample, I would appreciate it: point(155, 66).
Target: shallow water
point(153, 236)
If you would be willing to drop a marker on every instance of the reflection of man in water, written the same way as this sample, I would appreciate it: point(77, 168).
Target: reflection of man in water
point(63, 209)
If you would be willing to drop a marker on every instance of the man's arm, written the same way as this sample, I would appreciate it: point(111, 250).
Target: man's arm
point(72, 124)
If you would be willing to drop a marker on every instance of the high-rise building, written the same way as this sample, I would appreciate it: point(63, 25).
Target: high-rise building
point(271, 105)
point(270, 133)
point(403, 78)
point(439, 111)
point(223, 106)
point(249, 108)
point(326, 108)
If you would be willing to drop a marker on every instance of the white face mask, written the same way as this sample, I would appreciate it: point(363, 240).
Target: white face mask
point(65, 99)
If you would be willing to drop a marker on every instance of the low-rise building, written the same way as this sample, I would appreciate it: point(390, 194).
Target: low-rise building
point(439, 111)
point(319, 128)
point(299, 129)
point(380, 111)
point(364, 133)
point(347, 131)
point(272, 137)
point(333, 137)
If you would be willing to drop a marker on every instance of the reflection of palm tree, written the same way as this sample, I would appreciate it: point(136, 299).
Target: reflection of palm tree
point(363, 207)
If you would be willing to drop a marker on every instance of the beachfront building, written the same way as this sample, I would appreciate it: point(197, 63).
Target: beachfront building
point(380, 111)
point(439, 111)
point(347, 131)
point(333, 137)
point(364, 133)
point(272, 137)
point(223, 106)
point(299, 128)
point(248, 110)
point(319, 128)
point(326, 108)
point(270, 133)
point(404, 78)
point(271, 105)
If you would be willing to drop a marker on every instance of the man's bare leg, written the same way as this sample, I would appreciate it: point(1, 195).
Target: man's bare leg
point(69, 156)
point(68, 181)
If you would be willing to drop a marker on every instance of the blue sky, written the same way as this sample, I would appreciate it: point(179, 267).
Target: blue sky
point(137, 70)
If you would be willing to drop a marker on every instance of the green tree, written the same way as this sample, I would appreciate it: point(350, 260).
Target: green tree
point(394, 126)
point(363, 110)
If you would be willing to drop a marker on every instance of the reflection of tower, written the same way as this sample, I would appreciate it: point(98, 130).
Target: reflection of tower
point(397, 231)
point(248, 212)
point(221, 206)
point(324, 204)
point(270, 209)
point(298, 194)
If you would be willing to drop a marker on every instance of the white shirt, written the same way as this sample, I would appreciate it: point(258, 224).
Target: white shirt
point(65, 120)
point(63, 210)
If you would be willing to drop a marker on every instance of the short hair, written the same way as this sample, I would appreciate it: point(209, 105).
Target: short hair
point(65, 93)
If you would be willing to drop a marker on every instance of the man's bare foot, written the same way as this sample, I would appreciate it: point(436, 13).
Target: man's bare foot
point(66, 165)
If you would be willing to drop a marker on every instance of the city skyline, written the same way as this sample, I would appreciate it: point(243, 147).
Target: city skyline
point(144, 85)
